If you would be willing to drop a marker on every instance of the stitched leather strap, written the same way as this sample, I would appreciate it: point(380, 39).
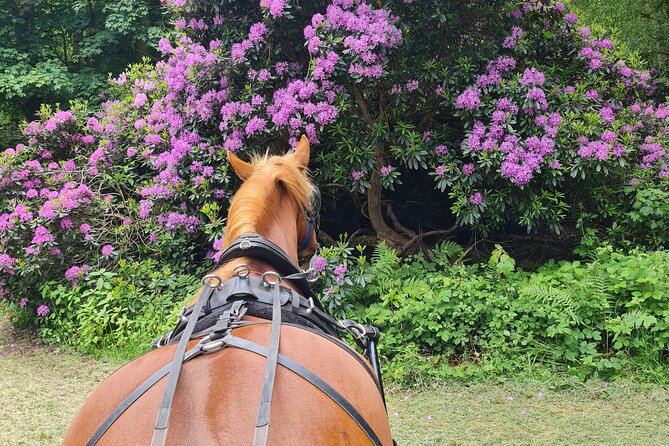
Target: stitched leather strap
point(134, 396)
point(312, 378)
point(262, 420)
point(162, 421)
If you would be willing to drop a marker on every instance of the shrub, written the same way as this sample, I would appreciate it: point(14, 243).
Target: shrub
point(441, 319)
point(519, 119)
point(120, 310)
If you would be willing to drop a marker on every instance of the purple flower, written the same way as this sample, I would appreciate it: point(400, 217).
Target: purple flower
point(255, 125)
point(84, 228)
point(320, 263)
point(468, 169)
point(593, 95)
point(42, 310)
point(524, 412)
point(340, 271)
point(257, 32)
point(441, 150)
point(532, 76)
point(386, 170)
point(571, 18)
point(440, 170)
point(107, 250)
point(42, 235)
point(274, 7)
point(476, 198)
point(412, 85)
point(357, 175)
point(23, 302)
point(470, 99)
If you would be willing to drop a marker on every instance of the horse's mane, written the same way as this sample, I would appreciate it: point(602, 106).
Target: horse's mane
point(256, 203)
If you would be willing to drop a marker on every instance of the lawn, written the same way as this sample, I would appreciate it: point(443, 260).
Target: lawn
point(42, 387)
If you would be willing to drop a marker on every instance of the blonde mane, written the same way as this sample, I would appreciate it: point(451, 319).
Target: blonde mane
point(258, 200)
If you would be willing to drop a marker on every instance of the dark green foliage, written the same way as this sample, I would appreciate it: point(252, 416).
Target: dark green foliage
point(57, 50)
point(597, 319)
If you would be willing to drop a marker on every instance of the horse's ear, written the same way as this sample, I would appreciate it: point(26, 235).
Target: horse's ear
point(301, 153)
point(241, 167)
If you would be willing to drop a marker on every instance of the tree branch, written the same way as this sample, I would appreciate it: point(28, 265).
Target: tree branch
point(422, 235)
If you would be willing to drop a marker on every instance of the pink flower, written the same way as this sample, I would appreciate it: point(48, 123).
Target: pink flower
point(107, 250)
point(320, 263)
point(23, 302)
point(357, 175)
point(386, 170)
point(42, 310)
point(476, 198)
point(340, 271)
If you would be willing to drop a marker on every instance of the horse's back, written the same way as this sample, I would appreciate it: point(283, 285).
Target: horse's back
point(217, 397)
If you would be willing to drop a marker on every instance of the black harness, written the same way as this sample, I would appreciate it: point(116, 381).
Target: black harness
point(226, 303)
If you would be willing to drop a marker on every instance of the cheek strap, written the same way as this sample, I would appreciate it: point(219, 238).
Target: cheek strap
point(306, 241)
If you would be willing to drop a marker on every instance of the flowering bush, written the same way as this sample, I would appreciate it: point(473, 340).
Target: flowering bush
point(518, 119)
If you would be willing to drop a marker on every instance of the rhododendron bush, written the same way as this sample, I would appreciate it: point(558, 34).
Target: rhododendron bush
point(500, 112)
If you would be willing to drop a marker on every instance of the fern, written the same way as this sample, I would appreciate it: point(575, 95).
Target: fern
point(562, 298)
point(444, 251)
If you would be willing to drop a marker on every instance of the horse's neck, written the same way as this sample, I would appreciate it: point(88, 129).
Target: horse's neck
point(281, 229)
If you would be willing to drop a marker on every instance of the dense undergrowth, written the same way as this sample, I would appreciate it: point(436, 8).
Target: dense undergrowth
point(606, 316)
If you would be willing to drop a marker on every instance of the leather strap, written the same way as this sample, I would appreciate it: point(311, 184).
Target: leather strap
point(262, 419)
point(134, 396)
point(309, 376)
point(162, 421)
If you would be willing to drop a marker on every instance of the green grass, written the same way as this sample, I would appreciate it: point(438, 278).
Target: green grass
point(583, 414)
point(41, 388)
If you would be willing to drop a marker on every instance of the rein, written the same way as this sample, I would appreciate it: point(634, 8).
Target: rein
point(232, 296)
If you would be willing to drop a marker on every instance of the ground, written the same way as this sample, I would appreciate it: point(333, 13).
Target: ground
point(42, 387)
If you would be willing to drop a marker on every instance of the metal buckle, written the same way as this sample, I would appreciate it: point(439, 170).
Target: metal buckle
point(245, 244)
point(356, 329)
point(312, 275)
point(182, 314)
point(211, 346)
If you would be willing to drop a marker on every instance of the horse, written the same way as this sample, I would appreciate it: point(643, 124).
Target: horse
point(273, 369)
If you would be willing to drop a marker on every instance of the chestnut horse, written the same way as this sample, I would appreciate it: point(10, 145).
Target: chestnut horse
point(217, 395)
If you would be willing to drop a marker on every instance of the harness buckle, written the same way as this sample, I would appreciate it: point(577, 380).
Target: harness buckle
point(312, 305)
point(209, 346)
point(182, 314)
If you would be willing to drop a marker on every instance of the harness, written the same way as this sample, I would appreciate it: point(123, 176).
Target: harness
point(227, 302)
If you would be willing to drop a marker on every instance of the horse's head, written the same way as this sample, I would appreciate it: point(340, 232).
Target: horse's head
point(276, 200)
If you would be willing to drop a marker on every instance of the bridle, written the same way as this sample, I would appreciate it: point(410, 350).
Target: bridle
point(233, 297)
point(313, 218)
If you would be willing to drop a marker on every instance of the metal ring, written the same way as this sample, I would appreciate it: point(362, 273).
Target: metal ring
point(210, 277)
point(245, 244)
point(312, 275)
point(242, 270)
point(271, 273)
